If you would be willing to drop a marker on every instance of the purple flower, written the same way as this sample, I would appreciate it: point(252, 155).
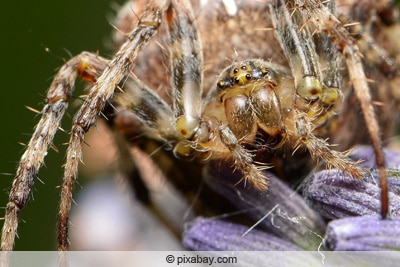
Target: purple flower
point(367, 155)
point(217, 235)
point(280, 211)
point(363, 233)
point(336, 194)
point(286, 220)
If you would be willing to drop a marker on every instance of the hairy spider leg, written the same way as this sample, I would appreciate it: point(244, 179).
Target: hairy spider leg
point(87, 65)
point(349, 48)
point(313, 98)
point(101, 92)
point(314, 15)
point(186, 64)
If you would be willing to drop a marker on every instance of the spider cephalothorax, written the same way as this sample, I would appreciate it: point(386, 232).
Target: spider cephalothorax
point(282, 94)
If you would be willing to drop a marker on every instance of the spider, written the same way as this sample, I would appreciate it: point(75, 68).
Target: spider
point(289, 75)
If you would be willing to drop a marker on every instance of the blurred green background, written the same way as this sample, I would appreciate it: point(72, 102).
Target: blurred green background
point(27, 28)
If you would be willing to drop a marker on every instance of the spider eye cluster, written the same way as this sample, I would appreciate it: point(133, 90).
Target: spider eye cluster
point(243, 73)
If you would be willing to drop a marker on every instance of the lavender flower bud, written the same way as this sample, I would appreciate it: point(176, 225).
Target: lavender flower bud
point(392, 160)
point(280, 210)
point(364, 233)
point(335, 194)
point(215, 235)
point(367, 155)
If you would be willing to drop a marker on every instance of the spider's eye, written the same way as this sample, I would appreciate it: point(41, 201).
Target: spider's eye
point(241, 75)
point(265, 71)
point(225, 83)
